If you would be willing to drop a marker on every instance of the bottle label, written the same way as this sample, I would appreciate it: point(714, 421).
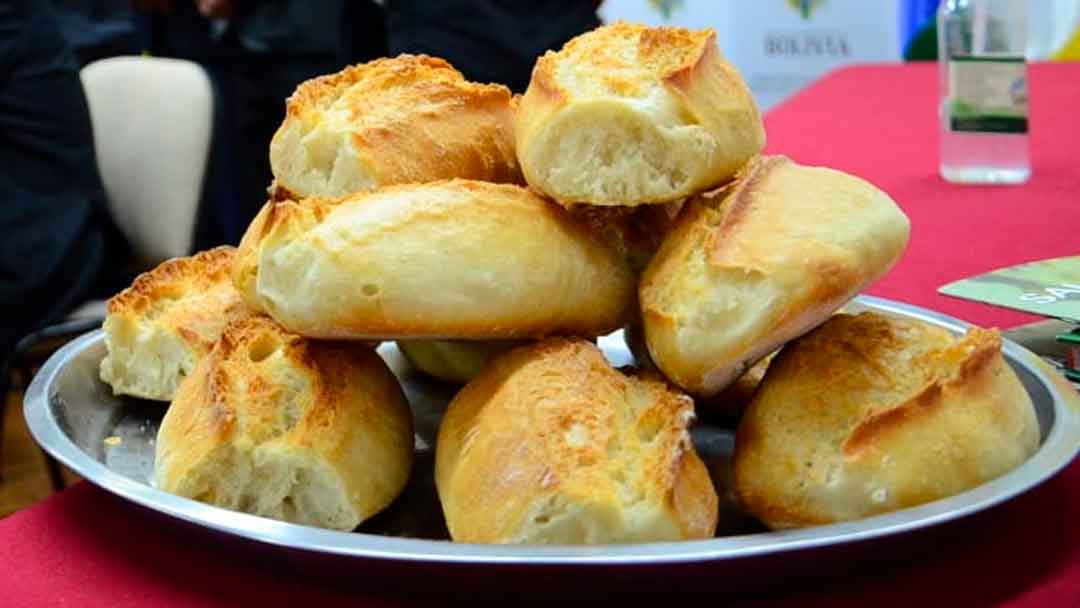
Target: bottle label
point(988, 94)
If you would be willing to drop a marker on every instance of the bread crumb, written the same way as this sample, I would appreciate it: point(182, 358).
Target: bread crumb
point(112, 441)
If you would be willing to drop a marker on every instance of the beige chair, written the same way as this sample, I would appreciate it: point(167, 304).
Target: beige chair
point(153, 122)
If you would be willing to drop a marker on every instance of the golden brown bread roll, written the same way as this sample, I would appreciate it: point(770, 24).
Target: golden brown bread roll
point(454, 361)
point(628, 114)
point(393, 121)
point(550, 445)
point(272, 424)
point(751, 266)
point(869, 414)
point(454, 259)
point(158, 329)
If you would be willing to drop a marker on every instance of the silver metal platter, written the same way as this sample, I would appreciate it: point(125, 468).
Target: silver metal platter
point(110, 441)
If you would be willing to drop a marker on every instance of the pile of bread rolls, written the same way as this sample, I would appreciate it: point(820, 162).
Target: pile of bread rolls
point(495, 238)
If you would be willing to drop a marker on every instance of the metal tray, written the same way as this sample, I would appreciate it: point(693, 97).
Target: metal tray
point(110, 441)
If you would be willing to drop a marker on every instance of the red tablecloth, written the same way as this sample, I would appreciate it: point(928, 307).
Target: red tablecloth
point(86, 548)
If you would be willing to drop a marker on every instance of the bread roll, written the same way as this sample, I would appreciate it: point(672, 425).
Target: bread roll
point(869, 414)
point(453, 361)
point(627, 114)
point(550, 445)
point(158, 329)
point(393, 121)
point(456, 259)
point(279, 426)
point(749, 267)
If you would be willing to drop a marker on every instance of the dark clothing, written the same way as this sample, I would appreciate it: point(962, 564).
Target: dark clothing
point(54, 222)
point(97, 29)
point(182, 33)
point(288, 27)
point(362, 32)
point(487, 40)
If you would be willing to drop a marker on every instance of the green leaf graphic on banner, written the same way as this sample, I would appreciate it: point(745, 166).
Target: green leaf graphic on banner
point(805, 7)
point(666, 7)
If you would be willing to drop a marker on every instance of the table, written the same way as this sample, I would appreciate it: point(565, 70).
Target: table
point(84, 547)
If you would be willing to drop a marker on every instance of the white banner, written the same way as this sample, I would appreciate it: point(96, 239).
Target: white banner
point(780, 45)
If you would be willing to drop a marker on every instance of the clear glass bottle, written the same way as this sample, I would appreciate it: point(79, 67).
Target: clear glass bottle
point(984, 109)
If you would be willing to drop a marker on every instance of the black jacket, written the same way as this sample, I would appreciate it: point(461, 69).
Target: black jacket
point(52, 215)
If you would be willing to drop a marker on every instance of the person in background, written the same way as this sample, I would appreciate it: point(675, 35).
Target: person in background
point(97, 29)
point(487, 40)
point(59, 245)
point(362, 32)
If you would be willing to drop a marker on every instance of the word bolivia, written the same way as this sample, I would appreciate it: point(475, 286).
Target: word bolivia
point(807, 44)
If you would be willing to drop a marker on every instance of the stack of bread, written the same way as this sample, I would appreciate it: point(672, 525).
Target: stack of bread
point(495, 238)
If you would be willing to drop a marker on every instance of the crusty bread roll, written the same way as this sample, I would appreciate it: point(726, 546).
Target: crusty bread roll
point(454, 361)
point(550, 445)
point(393, 121)
point(869, 414)
point(751, 266)
point(455, 259)
point(627, 114)
point(158, 329)
point(272, 424)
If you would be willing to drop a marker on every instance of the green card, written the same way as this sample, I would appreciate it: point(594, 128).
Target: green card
point(1050, 288)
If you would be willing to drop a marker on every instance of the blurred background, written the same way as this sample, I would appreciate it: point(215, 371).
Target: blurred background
point(132, 131)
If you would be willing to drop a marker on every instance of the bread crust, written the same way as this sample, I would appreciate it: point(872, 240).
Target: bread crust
point(549, 444)
point(157, 329)
point(410, 118)
point(273, 424)
point(752, 265)
point(628, 114)
point(452, 259)
point(869, 414)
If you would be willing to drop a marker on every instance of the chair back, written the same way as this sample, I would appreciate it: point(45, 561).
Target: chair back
point(153, 122)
